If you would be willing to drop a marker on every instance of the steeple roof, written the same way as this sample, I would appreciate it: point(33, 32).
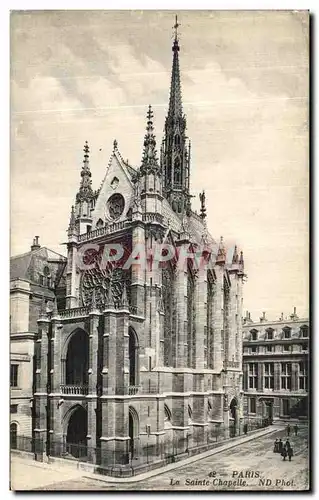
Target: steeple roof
point(175, 101)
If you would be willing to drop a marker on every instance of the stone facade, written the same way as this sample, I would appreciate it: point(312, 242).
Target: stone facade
point(142, 354)
point(276, 367)
point(33, 282)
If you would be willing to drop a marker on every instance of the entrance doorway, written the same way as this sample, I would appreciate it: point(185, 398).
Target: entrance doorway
point(13, 436)
point(76, 439)
point(233, 415)
point(269, 410)
point(133, 430)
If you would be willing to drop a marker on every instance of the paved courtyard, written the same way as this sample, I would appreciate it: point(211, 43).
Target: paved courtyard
point(248, 466)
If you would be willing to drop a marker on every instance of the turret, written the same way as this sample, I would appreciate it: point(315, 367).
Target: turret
point(85, 195)
point(149, 175)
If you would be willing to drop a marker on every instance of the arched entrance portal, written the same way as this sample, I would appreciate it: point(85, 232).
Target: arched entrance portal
point(233, 417)
point(133, 430)
point(77, 359)
point(76, 433)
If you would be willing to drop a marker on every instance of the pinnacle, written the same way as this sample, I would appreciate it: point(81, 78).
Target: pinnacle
point(149, 158)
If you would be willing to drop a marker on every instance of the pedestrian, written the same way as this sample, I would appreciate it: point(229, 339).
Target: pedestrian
point(280, 446)
point(284, 454)
point(290, 452)
point(296, 429)
point(287, 444)
point(245, 428)
point(276, 443)
point(288, 430)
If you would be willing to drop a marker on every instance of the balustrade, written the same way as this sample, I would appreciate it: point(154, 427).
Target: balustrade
point(133, 389)
point(102, 231)
point(75, 389)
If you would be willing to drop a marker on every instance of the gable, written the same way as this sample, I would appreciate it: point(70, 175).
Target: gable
point(116, 182)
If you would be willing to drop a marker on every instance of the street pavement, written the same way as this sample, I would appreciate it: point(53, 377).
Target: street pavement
point(248, 466)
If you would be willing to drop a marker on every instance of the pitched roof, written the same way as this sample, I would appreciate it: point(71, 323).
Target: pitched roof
point(20, 265)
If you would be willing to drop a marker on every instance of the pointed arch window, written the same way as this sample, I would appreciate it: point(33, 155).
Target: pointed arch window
point(177, 140)
point(191, 321)
point(168, 307)
point(177, 172)
point(209, 321)
point(133, 358)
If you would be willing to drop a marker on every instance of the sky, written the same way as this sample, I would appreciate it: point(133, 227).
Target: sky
point(90, 75)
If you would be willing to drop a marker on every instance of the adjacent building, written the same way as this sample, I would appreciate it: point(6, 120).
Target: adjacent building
point(141, 357)
point(276, 367)
point(33, 284)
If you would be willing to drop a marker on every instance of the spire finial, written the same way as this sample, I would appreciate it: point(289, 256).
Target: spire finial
point(150, 116)
point(221, 255)
point(175, 27)
point(85, 191)
point(202, 198)
point(114, 145)
point(235, 255)
point(86, 150)
point(149, 159)
point(241, 258)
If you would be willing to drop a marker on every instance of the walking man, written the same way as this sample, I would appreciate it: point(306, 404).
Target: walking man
point(276, 446)
point(280, 446)
point(290, 453)
point(284, 454)
point(296, 429)
point(288, 430)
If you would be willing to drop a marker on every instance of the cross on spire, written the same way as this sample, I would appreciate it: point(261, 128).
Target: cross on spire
point(175, 27)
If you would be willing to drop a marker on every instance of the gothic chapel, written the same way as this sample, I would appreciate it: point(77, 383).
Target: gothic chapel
point(139, 357)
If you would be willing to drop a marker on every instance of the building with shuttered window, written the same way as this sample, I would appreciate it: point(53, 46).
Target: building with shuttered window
point(276, 367)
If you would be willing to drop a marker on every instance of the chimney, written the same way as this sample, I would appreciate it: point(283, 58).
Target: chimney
point(263, 318)
point(35, 245)
point(282, 317)
point(294, 316)
point(247, 318)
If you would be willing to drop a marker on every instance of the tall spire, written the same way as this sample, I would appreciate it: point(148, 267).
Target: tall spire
point(175, 157)
point(149, 160)
point(175, 100)
point(85, 191)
